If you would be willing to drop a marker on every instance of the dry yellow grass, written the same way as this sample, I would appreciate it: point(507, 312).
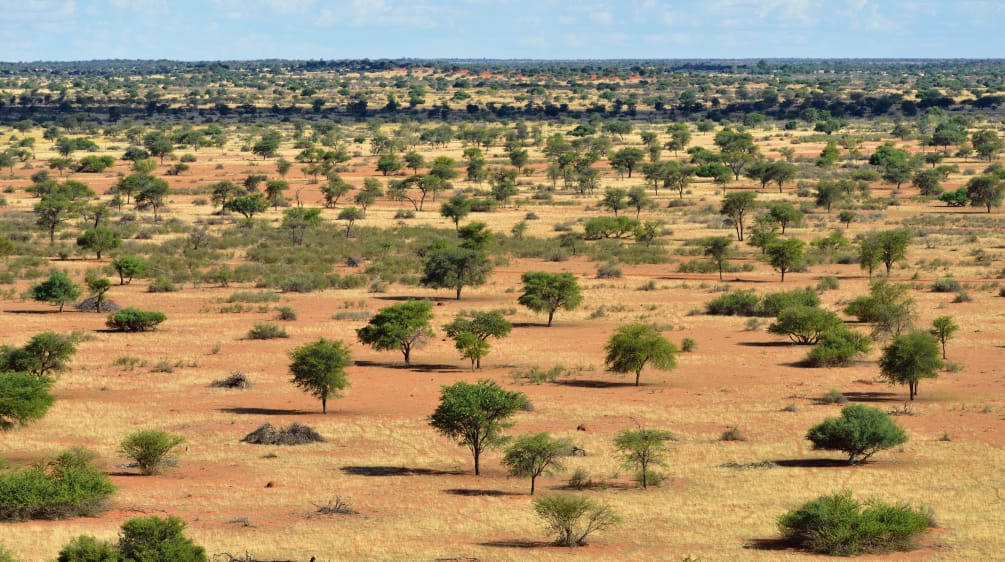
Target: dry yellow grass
point(427, 510)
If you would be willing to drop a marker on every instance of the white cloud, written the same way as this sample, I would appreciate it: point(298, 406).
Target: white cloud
point(603, 17)
point(291, 7)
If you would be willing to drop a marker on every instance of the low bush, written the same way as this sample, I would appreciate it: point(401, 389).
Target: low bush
point(573, 518)
point(734, 303)
point(947, 285)
point(286, 313)
point(266, 332)
point(839, 525)
point(837, 348)
point(235, 380)
point(68, 486)
point(295, 434)
point(161, 284)
point(608, 270)
point(148, 448)
point(142, 539)
point(134, 320)
point(828, 283)
point(688, 345)
point(774, 303)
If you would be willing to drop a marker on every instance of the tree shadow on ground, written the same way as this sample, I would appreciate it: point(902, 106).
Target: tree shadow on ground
point(589, 383)
point(813, 463)
point(406, 298)
point(424, 368)
point(396, 471)
point(22, 311)
point(771, 544)
point(516, 543)
point(768, 344)
point(470, 492)
point(530, 325)
point(262, 411)
point(872, 397)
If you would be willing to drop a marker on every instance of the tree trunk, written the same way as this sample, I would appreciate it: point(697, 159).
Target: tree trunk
point(407, 351)
point(551, 314)
point(476, 453)
point(532, 478)
point(324, 405)
point(637, 375)
point(459, 292)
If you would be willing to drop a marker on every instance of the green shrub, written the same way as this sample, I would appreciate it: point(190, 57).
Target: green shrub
point(86, 548)
point(161, 284)
point(69, 486)
point(833, 396)
point(837, 348)
point(266, 332)
point(564, 516)
point(861, 432)
point(580, 480)
point(774, 303)
point(6, 556)
point(839, 525)
point(688, 345)
point(134, 320)
point(734, 303)
point(828, 283)
point(286, 313)
point(536, 375)
point(252, 297)
point(155, 539)
point(148, 448)
point(609, 270)
point(947, 285)
point(805, 324)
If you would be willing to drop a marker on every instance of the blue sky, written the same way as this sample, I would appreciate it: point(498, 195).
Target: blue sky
point(34, 30)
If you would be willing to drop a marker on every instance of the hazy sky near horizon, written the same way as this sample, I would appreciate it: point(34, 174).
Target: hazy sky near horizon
point(34, 30)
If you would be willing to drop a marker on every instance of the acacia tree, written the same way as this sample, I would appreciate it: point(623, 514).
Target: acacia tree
point(152, 195)
point(910, 358)
point(985, 191)
point(563, 514)
point(892, 247)
point(456, 268)
point(98, 286)
point(943, 329)
point(719, 248)
point(861, 431)
point(475, 414)
point(633, 346)
point(482, 325)
point(319, 368)
point(24, 398)
point(99, 240)
point(641, 449)
point(58, 289)
point(44, 355)
point(128, 267)
point(534, 454)
point(735, 206)
point(785, 255)
point(547, 292)
point(403, 326)
point(456, 208)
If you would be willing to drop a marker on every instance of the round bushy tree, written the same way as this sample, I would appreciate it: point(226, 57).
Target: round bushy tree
point(861, 431)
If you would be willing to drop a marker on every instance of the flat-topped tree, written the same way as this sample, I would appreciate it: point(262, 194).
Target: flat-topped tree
point(548, 292)
point(319, 368)
point(633, 346)
point(475, 414)
point(403, 326)
point(58, 289)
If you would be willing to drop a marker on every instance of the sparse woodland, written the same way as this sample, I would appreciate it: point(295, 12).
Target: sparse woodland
point(689, 305)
